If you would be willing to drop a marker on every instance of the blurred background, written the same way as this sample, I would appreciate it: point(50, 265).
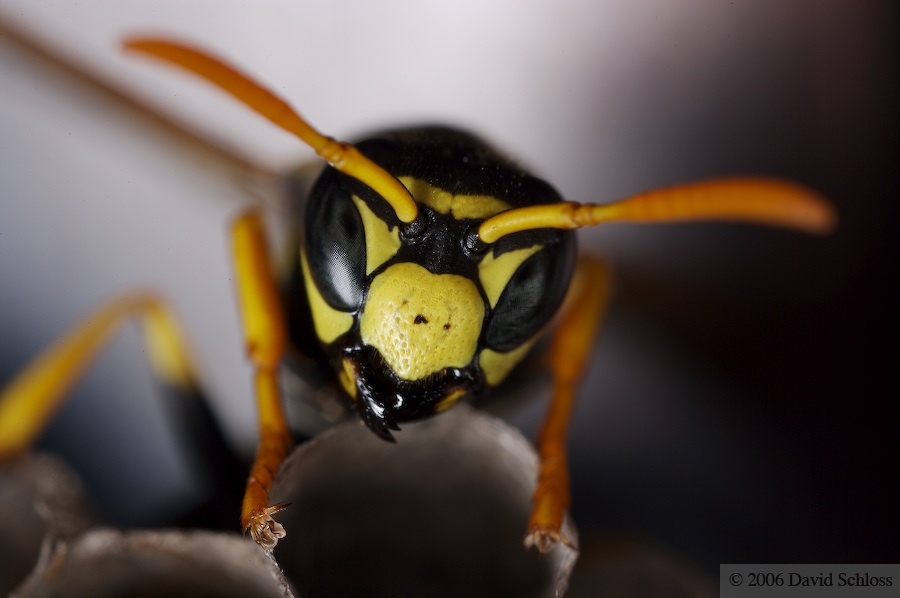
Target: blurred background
point(742, 404)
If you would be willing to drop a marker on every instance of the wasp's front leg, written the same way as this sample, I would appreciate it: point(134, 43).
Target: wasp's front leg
point(264, 332)
point(570, 347)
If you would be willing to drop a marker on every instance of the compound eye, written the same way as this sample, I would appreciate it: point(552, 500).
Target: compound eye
point(336, 244)
point(533, 295)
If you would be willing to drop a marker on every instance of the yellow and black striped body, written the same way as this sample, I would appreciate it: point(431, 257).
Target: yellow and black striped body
point(413, 317)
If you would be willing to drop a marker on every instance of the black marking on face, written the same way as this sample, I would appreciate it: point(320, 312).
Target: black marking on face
point(335, 245)
point(531, 297)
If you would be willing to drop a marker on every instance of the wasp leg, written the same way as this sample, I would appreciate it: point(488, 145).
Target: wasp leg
point(264, 331)
point(31, 399)
point(569, 350)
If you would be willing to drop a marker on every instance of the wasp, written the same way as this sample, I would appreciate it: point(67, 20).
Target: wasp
point(429, 266)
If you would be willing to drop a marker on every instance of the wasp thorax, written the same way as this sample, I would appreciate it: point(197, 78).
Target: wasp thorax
point(422, 323)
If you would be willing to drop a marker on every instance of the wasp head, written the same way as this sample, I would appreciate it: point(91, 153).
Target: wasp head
point(411, 317)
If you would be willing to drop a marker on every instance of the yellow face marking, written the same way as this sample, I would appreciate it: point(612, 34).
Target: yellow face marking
point(497, 366)
point(347, 377)
point(381, 242)
point(458, 206)
point(328, 322)
point(421, 322)
point(449, 401)
point(495, 273)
